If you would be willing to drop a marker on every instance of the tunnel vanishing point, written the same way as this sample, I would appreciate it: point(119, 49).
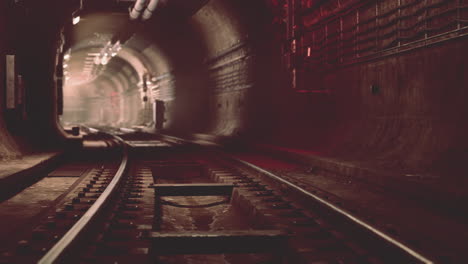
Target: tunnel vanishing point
point(364, 100)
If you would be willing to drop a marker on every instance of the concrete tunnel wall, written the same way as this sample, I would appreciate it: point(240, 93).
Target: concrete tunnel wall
point(232, 86)
point(8, 146)
point(226, 69)
point(32, 124)
point(415, 123)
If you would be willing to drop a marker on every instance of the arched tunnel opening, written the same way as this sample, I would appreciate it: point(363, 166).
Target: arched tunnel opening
point(124, 91)
point(361, 101)
point(189, 61)
point(119, 73)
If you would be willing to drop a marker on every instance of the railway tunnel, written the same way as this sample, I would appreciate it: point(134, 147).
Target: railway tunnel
point(360, 103)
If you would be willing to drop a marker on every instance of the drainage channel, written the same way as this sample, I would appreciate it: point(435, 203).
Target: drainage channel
point(197, 220)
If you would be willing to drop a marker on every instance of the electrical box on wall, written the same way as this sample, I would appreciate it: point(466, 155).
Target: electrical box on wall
point(10, 82)
point(159, 114)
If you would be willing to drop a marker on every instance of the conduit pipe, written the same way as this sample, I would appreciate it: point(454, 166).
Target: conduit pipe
point(150, 9)
point(137, 9)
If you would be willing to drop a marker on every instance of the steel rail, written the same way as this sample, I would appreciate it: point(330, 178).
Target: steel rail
point(59, 249)
point(342, 212)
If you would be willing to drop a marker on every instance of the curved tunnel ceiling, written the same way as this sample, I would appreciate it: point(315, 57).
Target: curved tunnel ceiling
point(87, 42)
point(100, 26)
point(96, 71)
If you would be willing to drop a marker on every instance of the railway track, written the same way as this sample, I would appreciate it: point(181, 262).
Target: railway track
point(182, 204)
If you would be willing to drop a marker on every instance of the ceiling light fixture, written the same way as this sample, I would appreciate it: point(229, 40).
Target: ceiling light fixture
point(107, 53)
point(105, 59)
point(76, 20)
